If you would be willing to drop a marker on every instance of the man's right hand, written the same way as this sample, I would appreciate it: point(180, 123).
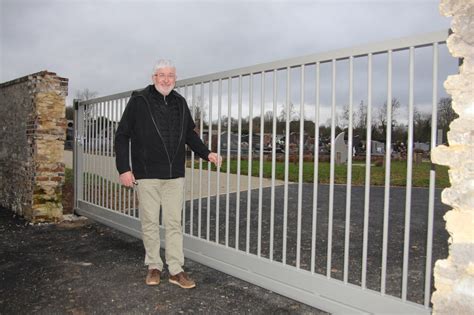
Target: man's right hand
point(127, 179)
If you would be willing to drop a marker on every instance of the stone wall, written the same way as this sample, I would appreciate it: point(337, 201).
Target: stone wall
point(32, 134)
point(454, 276)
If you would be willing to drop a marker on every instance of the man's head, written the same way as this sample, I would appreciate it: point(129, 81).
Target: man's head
point(164, 76)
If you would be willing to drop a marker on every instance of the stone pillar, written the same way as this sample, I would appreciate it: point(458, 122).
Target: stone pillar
point(454, 276)
point(32, 116)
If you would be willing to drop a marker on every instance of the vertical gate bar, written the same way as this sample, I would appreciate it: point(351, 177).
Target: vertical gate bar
point(101, 154)
point(287, 149)
point(209, 141)
point(106, 135)
point(201, 131)
point(183, 206)
point(100, 177)
point(123, 194)
point(85, 141)
point(123, 188)
point(239, 140)
point(191, 203)
point(249, 169)
point(260, 182)
point(368, 156)
point(229, 130)
point(315, 166)
point(129, 198)
point(91, 153)
point(406, 242)
point(117, 184)
point(110, 132)
point(300, 171)
point(347, 229)
point(118, 117)
point(114, 172)
point(86, 151)
point(114, 128)
point(331, 170)
point(120, 187)
point(135, 214)
point(183, 221)
point(388, 154)
point(97, 154)
point(78, 162)
point(218, 171)
point(434, 127)
point(94, 153)
point(107, 151)
point(274, 132)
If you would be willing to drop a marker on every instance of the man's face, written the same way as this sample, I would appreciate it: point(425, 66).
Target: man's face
point(164, 80)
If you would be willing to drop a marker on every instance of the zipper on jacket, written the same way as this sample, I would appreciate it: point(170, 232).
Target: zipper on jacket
point(158, 131)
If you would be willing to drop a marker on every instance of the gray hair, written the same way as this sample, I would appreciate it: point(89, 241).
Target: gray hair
point(163, 63)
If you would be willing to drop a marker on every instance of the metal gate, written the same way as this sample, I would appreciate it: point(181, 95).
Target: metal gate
point(330, 217)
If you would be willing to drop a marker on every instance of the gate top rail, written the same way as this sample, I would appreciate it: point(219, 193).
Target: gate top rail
point(397, 44)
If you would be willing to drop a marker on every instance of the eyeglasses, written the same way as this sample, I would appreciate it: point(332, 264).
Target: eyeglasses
point(162, 76)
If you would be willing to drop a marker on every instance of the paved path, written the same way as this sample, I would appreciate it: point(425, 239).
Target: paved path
point(396, 229)
point(105, 167)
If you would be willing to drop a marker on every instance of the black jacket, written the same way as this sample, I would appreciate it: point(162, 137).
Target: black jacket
point(150, 156)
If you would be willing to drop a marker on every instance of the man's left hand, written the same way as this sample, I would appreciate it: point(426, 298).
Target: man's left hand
point(215, 158)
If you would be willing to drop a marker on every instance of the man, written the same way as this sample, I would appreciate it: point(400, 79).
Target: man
point(157, 122)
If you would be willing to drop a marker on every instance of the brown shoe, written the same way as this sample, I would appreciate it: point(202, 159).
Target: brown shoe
point(182, 279)
point(153, 277)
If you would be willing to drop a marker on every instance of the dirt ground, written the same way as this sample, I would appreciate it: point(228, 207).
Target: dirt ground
point(83, 267)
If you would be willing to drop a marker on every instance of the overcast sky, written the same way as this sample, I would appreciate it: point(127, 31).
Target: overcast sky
point(111, 46)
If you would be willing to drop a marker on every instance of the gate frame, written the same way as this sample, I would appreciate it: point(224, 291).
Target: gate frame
point(313, 289)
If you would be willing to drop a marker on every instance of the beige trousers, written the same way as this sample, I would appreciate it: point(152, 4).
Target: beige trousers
point(167, 193)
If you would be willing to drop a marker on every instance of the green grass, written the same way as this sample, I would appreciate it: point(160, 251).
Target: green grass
point(398, 172)
point(420, 177)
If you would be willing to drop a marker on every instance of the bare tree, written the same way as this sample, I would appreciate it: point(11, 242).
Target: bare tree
point(86, 94)
point(422, 126)
point(382, 116)
point(291, 112)
point(362, 116)
point(199, 112)
point(344, 117)
point(446, 114)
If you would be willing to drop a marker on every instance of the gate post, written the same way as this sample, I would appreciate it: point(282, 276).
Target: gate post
point(454, 276)
point(78, 151)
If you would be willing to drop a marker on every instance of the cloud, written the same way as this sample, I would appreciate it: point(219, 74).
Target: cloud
point(110, 46)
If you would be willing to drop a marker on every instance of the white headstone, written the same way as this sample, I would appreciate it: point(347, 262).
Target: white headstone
point(341, 149)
